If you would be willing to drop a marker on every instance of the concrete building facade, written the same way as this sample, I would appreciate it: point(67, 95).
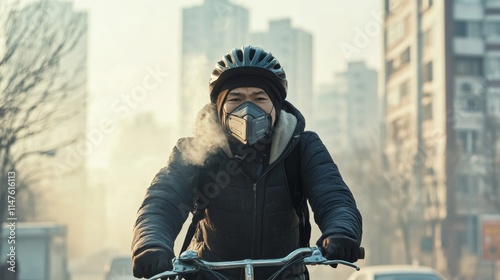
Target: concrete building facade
point(346, 114)
point(208, 32)
point(294, 49)
point(215, 27)
point(438, 85)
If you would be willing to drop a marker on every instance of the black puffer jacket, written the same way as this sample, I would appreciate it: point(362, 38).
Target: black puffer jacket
point(245, 217)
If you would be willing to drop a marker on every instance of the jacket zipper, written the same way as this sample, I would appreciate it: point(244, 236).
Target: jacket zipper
point(254, 186)
point(254, 217)
point(296, 137)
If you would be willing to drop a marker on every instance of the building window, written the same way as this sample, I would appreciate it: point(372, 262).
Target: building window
point(427, 111)
point(400, 130)
point(427, 72)
point(492, 29)
point(404, 90)
point(396, 32)
point(466, 88)
point(404, 57)
point(467, 141)
point(393, 98)
point(467, 29)
point(469, 66)
point(460, 28)
point(467, 184)
point(492, 68)
point(427, 106)
point(390, 67)
point(427, 38)
point(397, 95)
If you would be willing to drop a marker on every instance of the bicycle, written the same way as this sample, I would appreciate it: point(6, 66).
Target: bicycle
point(189, 262)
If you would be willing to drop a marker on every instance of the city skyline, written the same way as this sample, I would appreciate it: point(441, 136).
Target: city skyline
point(407, 102)
point(129, 42)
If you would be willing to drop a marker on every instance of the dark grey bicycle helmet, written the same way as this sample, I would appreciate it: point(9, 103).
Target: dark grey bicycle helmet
point(247, 60)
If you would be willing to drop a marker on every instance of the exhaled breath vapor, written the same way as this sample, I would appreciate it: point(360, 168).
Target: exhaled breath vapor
point(208, 137)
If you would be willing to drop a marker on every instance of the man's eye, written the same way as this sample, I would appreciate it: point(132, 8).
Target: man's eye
point(234, 99)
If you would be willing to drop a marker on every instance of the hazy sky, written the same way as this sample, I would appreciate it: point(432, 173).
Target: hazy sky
point(136, 44)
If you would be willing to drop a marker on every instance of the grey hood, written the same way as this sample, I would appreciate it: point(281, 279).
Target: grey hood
point(209, 136)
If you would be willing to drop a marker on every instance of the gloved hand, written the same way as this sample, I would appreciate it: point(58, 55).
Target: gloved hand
point(341, 247)
point(151, 262)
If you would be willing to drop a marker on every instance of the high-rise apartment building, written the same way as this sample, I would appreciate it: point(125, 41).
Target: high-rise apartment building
point(360, 86)
point(346, 113)
point(217, 26)
point(208, 32)
point(294, 49)
point(439, 84)
point(330, 119)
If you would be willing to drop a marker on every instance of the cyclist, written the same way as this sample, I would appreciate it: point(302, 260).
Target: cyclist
point(235, 170)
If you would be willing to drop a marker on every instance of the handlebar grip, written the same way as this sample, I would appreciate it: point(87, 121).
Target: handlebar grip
point(361, 252)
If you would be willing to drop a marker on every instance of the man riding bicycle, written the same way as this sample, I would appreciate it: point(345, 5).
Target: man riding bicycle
point(248, 159)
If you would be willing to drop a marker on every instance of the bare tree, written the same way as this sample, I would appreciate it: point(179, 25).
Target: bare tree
point(364, 173)
point(488, 159)
point(386, 195)
point(40, 87)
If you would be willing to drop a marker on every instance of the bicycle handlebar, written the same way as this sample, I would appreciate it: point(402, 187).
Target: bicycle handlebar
point(190, 262)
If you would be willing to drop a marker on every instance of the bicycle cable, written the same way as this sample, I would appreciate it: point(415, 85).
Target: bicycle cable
point(287, 265)
point(217, 274)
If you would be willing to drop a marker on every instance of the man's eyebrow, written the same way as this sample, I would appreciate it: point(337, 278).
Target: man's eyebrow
point(236, 93)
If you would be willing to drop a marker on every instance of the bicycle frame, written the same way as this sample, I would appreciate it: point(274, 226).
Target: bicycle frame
point(189, 262)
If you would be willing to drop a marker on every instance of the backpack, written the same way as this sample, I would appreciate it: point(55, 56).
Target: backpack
point(292, 171)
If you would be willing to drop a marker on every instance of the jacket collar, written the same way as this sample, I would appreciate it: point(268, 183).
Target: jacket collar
point(283, 133)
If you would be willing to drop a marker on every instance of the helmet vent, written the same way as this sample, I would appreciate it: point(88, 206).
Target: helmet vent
point(247, 60)
point(263, 56)
point(251, 54)
point(239, 55)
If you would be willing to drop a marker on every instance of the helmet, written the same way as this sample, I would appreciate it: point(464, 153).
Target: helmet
point(247, 60)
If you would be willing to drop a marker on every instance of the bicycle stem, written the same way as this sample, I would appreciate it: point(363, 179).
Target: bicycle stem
point(249, 272)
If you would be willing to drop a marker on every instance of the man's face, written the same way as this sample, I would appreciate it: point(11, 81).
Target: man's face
point(258, 96)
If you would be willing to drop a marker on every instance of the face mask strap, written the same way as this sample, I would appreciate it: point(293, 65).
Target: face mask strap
point(226, 113)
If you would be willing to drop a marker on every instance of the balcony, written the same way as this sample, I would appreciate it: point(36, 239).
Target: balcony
point(468, 11)
point(469, 46)
point(492, 4)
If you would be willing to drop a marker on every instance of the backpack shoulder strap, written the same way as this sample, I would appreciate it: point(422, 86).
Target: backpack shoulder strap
point(198, 213)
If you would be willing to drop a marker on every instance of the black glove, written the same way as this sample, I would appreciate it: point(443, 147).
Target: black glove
point(151, 262)
point(341, 247)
